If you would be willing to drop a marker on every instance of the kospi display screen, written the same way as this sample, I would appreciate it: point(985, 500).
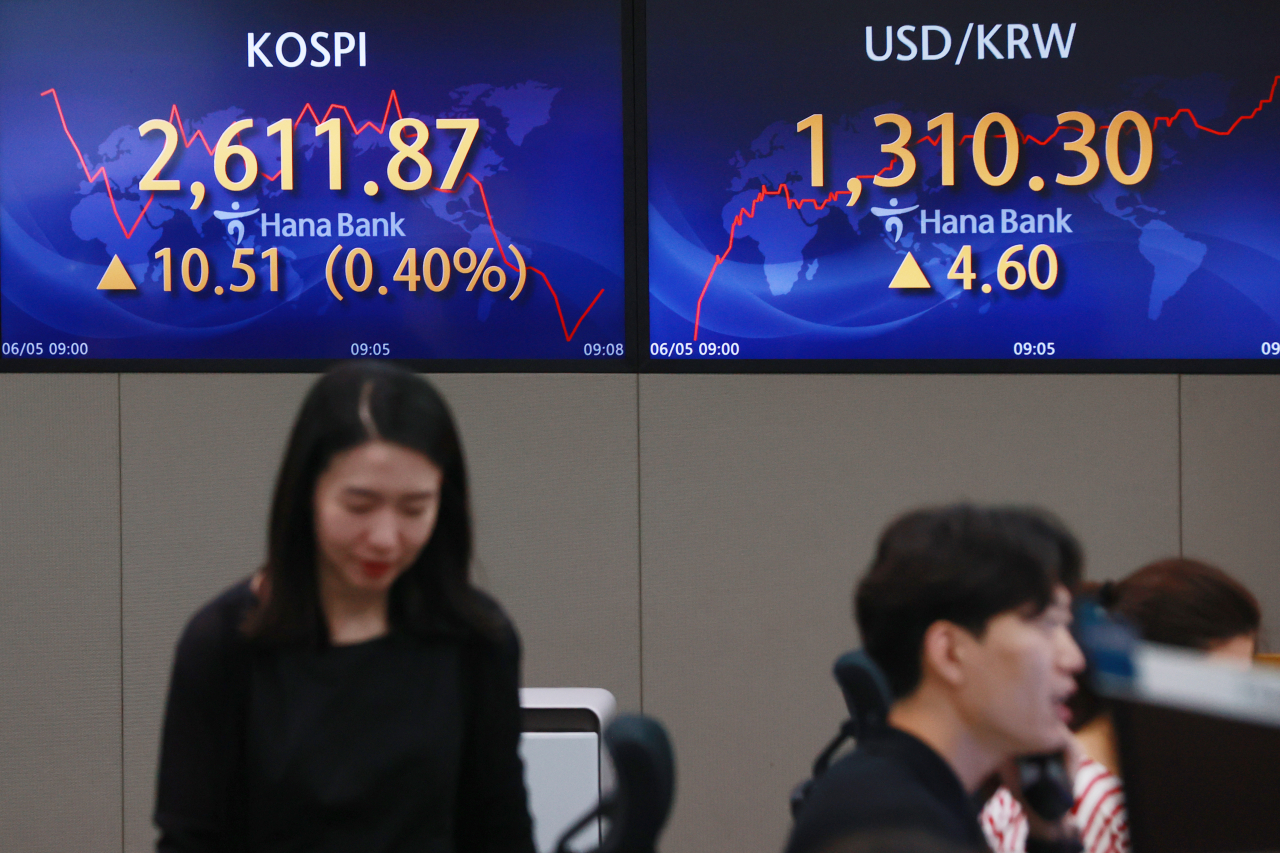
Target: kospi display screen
point(236, 179)
point(991, 185)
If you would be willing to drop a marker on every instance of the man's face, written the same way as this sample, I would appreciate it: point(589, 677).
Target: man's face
point(1017, 678)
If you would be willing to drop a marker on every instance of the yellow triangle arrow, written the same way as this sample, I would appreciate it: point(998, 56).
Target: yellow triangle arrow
point(117, 277)
point(910, 276)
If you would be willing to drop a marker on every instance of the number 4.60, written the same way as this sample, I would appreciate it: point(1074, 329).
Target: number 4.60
point(962, 268)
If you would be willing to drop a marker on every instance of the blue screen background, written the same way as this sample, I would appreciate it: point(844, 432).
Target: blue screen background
point(543, 78)
point(1184, 265)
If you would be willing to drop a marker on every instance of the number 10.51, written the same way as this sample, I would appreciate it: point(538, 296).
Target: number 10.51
point(195, 269)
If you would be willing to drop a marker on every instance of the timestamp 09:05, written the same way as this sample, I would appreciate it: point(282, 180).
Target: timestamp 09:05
point(680, 348)
point(40, 348)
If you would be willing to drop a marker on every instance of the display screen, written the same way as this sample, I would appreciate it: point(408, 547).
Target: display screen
point(991, 184)
point(225, 179)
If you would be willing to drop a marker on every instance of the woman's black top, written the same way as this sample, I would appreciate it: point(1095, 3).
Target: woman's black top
point(398, 744)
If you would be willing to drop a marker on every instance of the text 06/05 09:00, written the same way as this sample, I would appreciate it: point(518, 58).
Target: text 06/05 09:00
point(40, 348)
point(680, 348)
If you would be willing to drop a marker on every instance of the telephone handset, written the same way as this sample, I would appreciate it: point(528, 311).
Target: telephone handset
point(1046, 788)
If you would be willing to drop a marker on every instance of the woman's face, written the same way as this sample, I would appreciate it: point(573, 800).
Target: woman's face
point(1239, 649)
point(375, 509)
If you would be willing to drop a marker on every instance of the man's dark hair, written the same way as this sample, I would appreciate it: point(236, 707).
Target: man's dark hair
point(962, 564)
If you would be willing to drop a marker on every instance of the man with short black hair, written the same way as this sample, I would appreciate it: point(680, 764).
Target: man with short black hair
point(967, 611)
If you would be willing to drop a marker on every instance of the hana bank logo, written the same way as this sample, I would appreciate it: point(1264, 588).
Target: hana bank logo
point(232, 218)
point(893, 223)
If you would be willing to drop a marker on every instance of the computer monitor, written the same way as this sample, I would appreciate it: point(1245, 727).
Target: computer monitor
point(565, 771)
point(1200, 754)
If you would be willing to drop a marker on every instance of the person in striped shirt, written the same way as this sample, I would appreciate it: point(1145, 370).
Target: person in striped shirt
point(1179, 602)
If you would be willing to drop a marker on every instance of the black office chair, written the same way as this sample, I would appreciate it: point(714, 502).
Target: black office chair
point(640, 803)
point(866, 691)
point(867, 696)
point(1045, 784)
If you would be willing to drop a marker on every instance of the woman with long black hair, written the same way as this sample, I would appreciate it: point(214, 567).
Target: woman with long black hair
point(356, 694)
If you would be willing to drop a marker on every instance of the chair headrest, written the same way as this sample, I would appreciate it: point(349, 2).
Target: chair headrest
point(645, 767)
point(866, 690)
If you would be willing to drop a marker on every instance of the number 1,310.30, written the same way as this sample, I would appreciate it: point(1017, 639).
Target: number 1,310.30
point(991, 126)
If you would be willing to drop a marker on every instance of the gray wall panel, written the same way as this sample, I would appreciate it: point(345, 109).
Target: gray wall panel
point(761, 500)
point(60, 614)
point(554, 497)
point(554, 492)
point(199, 456)
point(1231, 482)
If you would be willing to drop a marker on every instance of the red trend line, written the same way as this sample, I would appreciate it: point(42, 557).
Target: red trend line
point(1268, 99)
point(102, 170)
point(175, 117)
point(379, 128)
point(792, 204)
point(797, 204)
point(568, 335)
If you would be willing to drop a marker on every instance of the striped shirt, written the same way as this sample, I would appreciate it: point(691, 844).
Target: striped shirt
point(1098, 814)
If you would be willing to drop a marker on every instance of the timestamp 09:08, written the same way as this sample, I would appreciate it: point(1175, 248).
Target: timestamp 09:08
point(40, 348)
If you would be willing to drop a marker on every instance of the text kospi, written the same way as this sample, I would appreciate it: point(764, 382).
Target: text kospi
point(291, 49)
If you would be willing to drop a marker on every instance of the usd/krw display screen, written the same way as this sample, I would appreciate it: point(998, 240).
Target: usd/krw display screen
point(253, 180)
point(941, 181)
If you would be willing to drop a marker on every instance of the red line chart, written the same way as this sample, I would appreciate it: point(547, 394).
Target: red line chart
point(799, 203)
point(392, 100)
point(101, 173)
point(568, 335)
